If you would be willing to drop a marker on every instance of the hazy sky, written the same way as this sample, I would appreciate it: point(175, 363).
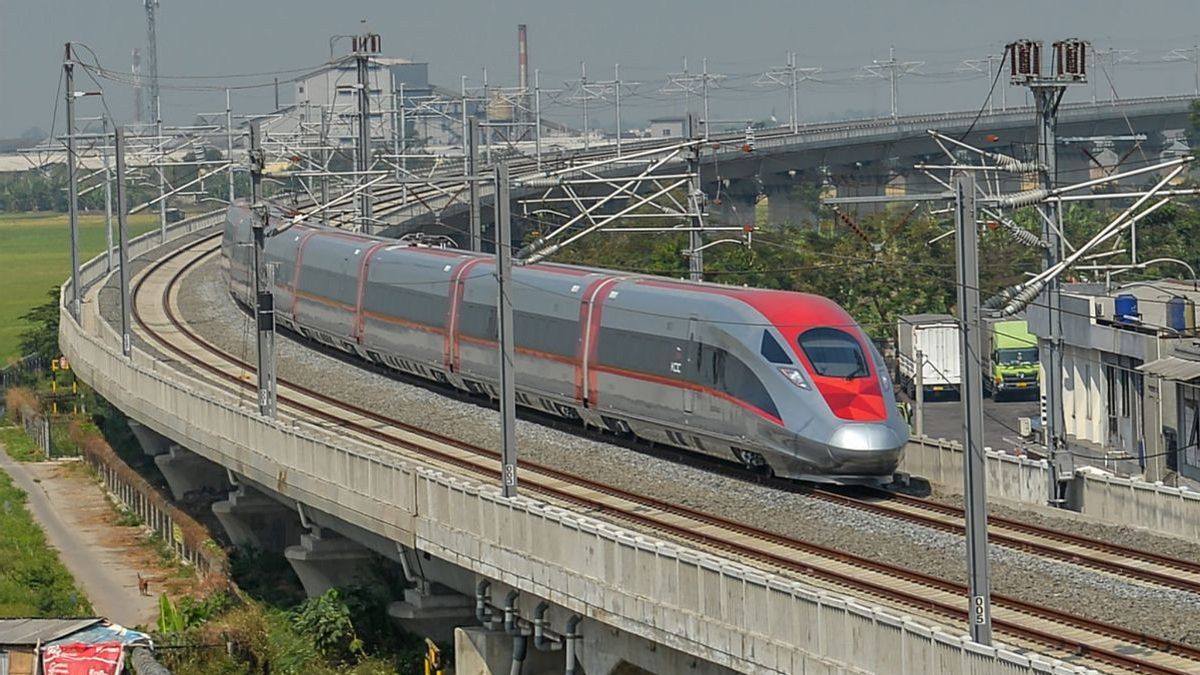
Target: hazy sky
point(648, 39)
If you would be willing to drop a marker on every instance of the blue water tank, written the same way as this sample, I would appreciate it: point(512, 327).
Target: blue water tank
point(1125, 309)
point(1177, 314)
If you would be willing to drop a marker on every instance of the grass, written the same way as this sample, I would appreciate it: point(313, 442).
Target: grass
point(19, 446)
point(36, 256)
point(33, 581)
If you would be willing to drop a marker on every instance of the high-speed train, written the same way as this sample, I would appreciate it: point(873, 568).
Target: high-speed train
point(774, 379)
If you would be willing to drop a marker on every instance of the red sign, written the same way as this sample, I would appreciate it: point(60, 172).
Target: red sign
point(76, 658)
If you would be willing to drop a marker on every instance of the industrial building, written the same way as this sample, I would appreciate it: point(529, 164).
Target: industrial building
point(1131, 368)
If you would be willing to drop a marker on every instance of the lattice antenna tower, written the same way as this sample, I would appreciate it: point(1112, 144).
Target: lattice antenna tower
point(152, 103)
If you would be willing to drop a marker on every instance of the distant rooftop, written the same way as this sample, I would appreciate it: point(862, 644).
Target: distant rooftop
point(33, 631)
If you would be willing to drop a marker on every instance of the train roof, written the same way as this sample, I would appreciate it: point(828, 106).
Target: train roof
point(786, 310)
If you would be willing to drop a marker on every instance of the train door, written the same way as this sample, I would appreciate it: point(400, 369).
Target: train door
point(688, 362)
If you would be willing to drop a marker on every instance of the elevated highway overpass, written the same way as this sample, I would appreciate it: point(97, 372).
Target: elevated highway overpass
point(857, 157)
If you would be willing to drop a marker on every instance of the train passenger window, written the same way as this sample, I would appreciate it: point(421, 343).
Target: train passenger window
point(773, 351)
point(834, 353)
point(728, 374)
point(477, 320)
point(642, 352)
point(543, 333)
point(740, 382)
point(405, 303)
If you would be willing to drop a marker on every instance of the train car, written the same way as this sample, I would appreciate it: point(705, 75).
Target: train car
point(776, 380)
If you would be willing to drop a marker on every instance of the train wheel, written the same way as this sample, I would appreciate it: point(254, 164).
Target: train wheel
point(753, 460)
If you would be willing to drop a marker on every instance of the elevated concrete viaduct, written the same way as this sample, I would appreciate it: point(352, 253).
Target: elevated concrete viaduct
point(869, 157)
point(530, 580)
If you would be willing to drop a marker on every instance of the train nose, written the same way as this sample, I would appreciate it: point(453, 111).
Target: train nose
point(866, 448)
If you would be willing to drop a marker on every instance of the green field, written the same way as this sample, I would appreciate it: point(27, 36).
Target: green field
point(35, 256)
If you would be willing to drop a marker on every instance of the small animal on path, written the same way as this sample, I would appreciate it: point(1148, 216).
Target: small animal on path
point(143, 584)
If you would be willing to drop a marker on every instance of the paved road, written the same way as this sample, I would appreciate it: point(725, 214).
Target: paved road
point(73, 512)
point(943, 419)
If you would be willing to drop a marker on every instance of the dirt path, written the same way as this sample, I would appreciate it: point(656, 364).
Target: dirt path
point(104, 558)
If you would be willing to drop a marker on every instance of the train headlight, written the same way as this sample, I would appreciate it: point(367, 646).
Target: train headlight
point(795, 377)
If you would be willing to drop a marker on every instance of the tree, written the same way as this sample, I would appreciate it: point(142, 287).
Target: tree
point(41, 337)
point(326, 621)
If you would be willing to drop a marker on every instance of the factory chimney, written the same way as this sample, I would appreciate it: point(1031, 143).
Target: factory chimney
point(522, 58)
point(138, 103)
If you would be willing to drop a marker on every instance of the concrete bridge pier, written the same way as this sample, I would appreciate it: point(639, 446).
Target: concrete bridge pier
point(480, 651)
point(253, 520)
point(324, 559)
point(435, 604)
point(504, 616)
point(152, 442)
point(187, 472)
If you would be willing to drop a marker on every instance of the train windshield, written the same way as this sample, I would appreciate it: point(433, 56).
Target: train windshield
point(834, 353)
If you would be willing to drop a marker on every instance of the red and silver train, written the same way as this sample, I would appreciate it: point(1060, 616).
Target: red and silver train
point(771, 378)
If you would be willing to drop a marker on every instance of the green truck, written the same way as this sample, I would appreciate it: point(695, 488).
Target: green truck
point(1012, 369)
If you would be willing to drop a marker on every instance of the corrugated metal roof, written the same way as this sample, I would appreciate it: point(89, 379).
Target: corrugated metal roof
point(32, 631)
point(1173, 368)
point(928, 318)
point(105, 632)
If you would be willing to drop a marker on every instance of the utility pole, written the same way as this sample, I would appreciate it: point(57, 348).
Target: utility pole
point(72, 178)
point(696, 206)
point(617, 102)
point(229, 144)
point(919, 394)
point(537, 116)
point(789, 76)
point(364, 45)
point(162, 175)
point(895, 70)
point(979, 65)
point(487, 119)
point(476, 226)
point(326, 153)
point(1112, 57)
point(1192, 54)
point(395, 125)
point(588, 90)
point(264, 298)
point(689, 84)
point(583, 83)
point(403, 159)
point(108, 229)
point(508, 415)
point(123, 237)
point(975, 480)
point(795, 116)
point(1070, 68)
point(466, 161)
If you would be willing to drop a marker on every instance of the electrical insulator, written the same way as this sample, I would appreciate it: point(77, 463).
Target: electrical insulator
point(1025, 57)
point(1070, 60)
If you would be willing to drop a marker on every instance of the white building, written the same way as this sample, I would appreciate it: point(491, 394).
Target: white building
point(330, 97)
point(667, 127)
point(1131, 373)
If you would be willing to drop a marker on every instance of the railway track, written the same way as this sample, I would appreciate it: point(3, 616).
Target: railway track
point(1122, 561)
point(1022, 623)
